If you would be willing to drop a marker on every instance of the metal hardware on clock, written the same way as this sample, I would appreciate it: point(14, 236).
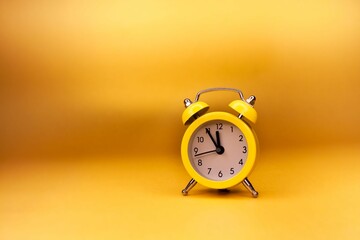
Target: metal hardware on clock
point(218, 149)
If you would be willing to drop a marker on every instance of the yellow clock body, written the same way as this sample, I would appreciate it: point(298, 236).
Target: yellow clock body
point(223, 168)
point(219, 149)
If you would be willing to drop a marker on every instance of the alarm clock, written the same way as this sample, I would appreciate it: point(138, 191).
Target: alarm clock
point(219, 148)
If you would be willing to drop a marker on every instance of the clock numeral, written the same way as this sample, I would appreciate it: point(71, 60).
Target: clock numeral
point(241, 162)
point(241, 138)
point(200, 162)
point(209, 170)
point(232, 129)
point(196, 150)
point(219, 126)
point(200, 139)
point(220, 174)
point(232, 171)
point(244, 149)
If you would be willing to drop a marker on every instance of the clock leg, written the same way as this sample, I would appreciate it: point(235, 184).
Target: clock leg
point(188, 187)
point(250, 187)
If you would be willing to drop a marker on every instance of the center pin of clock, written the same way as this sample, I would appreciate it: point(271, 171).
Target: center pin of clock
point(220, 150)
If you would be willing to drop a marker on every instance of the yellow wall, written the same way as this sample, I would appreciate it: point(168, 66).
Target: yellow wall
point(95, 77)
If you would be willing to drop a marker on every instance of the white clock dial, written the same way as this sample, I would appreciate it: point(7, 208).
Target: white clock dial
point(218, 150)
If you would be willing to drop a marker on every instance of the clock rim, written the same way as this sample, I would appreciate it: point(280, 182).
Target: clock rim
point(249, 134)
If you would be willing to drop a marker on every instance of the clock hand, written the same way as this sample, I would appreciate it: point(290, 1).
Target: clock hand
point(199, 154)
point(218, 139)
point(211, 137)
point(219, 149)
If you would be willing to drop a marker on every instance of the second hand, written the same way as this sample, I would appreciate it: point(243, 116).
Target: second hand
point(199, 154)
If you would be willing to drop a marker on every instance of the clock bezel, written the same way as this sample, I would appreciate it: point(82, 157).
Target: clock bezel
point(251, 142)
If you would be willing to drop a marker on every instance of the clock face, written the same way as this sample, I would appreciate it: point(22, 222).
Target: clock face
point(218, 150)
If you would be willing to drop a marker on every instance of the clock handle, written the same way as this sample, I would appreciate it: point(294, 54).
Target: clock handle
point(219, 89)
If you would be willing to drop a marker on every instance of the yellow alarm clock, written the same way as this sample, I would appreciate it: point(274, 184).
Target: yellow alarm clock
point(219, 149)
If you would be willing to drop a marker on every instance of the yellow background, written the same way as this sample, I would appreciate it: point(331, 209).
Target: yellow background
point(90, 127)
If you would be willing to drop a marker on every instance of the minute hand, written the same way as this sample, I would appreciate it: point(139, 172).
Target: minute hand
point(211, 137)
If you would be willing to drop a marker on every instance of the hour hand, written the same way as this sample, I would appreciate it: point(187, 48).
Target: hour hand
point(219, 149)
point(218, 139)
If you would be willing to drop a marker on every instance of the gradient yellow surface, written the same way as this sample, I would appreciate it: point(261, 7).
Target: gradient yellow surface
point(90, 127)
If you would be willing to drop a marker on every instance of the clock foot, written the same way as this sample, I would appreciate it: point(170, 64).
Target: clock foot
point(250, 187)
point(188, 187)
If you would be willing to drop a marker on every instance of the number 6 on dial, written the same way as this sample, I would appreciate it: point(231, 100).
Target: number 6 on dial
point(219, 149)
